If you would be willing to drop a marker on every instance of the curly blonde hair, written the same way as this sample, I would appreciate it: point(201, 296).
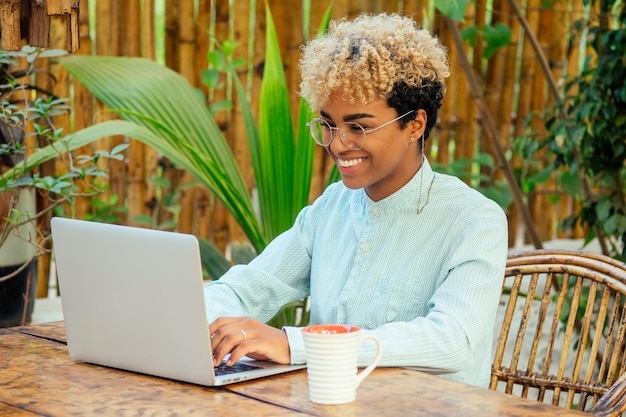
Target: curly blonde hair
point(365, 58)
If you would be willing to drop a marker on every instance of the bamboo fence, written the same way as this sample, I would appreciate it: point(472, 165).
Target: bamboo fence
point(180, 33)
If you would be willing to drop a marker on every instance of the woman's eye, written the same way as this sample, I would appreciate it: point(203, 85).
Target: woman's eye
point(357, 128)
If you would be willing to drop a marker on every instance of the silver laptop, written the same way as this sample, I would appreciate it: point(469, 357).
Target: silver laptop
point(132, 299)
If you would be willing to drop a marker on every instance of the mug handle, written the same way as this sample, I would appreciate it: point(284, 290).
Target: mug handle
point(379, 353)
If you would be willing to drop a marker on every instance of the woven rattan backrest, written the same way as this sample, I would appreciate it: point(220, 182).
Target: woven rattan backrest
point(562, 327)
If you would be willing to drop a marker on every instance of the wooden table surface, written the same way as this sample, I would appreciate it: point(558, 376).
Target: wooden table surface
point(38, 378)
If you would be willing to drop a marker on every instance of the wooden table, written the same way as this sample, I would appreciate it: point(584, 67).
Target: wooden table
point(38, 378)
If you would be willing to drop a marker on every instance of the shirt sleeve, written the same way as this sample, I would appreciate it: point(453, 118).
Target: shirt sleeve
point(278, 275)
point(296, 344)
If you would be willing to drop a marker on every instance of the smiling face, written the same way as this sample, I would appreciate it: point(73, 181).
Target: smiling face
point(388, 159)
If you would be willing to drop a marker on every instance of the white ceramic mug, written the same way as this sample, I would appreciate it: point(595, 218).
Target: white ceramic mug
point(331, 356)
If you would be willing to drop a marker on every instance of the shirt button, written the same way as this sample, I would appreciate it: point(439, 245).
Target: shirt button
point(365, 247)
point(375, 211)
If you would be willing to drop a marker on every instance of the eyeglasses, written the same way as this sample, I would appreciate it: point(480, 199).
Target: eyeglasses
point(352, 134)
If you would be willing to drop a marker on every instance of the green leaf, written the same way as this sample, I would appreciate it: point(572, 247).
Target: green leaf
point(485, 159)
point(500, 192)
point(541, 176)
point(454, 9)
point(51, 53)
point(216, 60)
point(570, 183)
point(603, 209)
point(610, 224)
point(276, 140)
point(470, 34)
point(210, 77)
point(221, 105)
point(229, 46)
point(212, 259)
point(242, 253)
point(496, 37)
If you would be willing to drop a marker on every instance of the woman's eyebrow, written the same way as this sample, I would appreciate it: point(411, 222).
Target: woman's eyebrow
point(349, 117)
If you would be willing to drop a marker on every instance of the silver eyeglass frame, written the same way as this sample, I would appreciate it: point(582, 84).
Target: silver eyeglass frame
point(318, 123)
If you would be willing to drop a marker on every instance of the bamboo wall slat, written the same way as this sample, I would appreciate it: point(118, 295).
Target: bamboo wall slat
point(466, 126)
point(10, 24)
point(39, 27)
point(514, 86)
point(83, 103)
point(31, 19)
point(136, 188)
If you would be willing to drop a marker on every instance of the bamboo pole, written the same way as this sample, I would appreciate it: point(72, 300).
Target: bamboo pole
point(252, 49)
point(44, 204)
point(73, 34)
point(556, 55)
point(83, 105)
point(203, 208)
point(186, 50)
point(415, 9)
point(172, 42)
point(59, 7)
point(479, 47)
point(570, 204)
point(10, 25)
point(203, 42)
point(103, 46)
point(465, 127)
point(292, 37)
point(150, 155)
point(172, 33)
point(230, 123)
point(39, 25)
point(60, 88)
point(491, 132)
point(322, 164)
point(542, 209)
point(506, 108)
point(494, 81)
point(117, 169)
point(543, 62)
point(136, 186)
point(450, 114)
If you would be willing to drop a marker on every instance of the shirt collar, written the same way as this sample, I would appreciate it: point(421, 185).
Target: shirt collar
point(408, 196)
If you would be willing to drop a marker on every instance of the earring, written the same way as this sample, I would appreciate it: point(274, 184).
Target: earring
point(412, 139)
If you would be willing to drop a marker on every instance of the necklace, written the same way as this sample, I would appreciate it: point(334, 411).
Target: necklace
point(421, 206)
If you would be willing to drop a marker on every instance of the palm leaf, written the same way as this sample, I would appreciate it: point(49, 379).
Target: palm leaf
point(184, 130)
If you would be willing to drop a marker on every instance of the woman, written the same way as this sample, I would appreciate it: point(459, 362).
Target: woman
point(414, 256)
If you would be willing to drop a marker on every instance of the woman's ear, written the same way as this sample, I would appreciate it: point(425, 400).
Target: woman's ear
point(417, 125)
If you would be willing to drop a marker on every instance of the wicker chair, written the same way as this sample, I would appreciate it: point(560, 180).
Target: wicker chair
point(563, 331)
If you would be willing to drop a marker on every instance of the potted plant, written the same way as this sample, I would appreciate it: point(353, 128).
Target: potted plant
point(28, 138)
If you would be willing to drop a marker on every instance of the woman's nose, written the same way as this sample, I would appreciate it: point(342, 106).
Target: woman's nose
point(338, 145)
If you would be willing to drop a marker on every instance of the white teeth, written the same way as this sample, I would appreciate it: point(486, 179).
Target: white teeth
point(349, 163)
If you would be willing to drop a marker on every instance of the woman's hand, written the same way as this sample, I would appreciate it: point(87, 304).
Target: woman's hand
point(244, 336)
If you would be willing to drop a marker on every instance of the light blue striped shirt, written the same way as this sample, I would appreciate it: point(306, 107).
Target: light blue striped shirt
point(422, 269)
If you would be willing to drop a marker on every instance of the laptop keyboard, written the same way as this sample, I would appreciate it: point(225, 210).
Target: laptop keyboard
point(224, 369)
